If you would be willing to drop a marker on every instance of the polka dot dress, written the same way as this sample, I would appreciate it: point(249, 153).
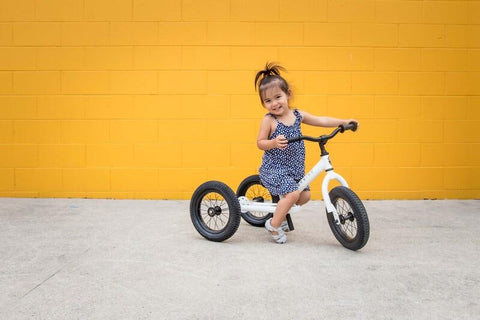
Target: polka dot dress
point(281, 170)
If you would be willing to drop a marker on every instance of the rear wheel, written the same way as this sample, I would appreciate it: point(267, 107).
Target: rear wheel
point(215, 211)
point(354, 228)
point(252, 188)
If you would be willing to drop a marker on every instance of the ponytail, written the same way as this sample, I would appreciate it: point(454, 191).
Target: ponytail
point(270, 77)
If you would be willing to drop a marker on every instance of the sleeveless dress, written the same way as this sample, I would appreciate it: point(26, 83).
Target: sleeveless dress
point(281, 170)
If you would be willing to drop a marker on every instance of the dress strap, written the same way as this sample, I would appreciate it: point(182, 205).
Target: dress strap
point(271, 115)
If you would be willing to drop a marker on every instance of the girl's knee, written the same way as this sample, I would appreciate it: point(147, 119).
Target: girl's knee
point(303, 198)
point(293, 196)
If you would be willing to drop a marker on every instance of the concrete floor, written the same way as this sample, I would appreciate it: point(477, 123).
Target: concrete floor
point(126, 259)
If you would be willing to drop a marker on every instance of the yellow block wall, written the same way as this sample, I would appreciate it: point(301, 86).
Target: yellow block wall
point(149, 98)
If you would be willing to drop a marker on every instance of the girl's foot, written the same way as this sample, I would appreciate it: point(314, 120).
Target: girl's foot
point(284, 226)
point(277, 234)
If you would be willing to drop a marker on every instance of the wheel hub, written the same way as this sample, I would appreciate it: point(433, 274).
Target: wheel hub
point(258, 199)
point(344, 218)
point(213, 211)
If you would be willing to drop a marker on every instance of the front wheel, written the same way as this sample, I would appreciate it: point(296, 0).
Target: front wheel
point(252, 188)
point(354, 228)
point(215, 211)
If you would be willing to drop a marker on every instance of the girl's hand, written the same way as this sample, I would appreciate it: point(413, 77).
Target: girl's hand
point(353, 120)
point(281, 142)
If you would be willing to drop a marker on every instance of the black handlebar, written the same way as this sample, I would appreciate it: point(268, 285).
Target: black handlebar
point(322, 139)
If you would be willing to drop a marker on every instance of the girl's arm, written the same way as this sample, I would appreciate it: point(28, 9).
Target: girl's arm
point(263, 143)
point(323, 121)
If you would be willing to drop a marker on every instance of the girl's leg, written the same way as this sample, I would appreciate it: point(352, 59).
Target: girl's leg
point(304, 197)
point(283, 207)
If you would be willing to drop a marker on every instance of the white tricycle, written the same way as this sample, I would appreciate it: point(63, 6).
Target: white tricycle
point(215, 209)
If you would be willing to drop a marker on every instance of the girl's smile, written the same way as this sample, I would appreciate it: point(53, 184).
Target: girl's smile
point(276, 101)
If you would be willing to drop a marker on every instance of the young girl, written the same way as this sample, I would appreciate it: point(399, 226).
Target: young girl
point(283, 164)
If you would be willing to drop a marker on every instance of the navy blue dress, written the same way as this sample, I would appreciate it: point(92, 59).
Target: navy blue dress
point(281, 170)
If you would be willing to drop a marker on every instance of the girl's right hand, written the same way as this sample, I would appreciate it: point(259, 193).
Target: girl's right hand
point(281, 142)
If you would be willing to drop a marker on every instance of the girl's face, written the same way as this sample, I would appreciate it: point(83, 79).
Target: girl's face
point(275, 100)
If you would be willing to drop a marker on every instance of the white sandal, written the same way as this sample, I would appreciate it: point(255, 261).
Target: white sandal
point(284, 226)
point(281, 237)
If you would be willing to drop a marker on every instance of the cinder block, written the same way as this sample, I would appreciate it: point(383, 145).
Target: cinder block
point(17, 58)
point(251, 10)
point(22, 10)
point(461, 154)
point(156, 106)
point(327, 82)
point(85, 82)
point(292, 34)
point(59, 10)
point(108, 58)
point(206, 58)
point(103, 10)
point(207, 10)
point(421, 35)
point(398, 11)
point(157, 57)
point(61, 156)
point(231, 33)
point(446, 108)
point(205, 155)
point(457, 36)
point(133, 82)
point(459, 83)
point(421, 83)
point(358, 59)
point(398, 59)
point(397, 107)
point(433, 155)
point(37, 131)
point(18, 107)
point(374, 82)
point(462, 178)
point(6, 131)
point(240, 131)
point(109, 155)
point(38, 179)
point(350, 106)
point(133, 33)
point(108, 107)
point(373, 131)
point(246, 156)
point(60, 58)
point(86, 33)
point(134, 131)
point(303, 58)
point(445, 60)
point(182, 33)
point(351, 10)
point(182, 82)
point(6, 34)
point(134, 179)
point(445, 12)
point(374, 35)
point(397, 155)
point(7, 180)
point(6, 82)
point(158, 155)
point(61, 107)
point(181, 182)
point(458, 131)
point(37, 82)
point(19, 155)
point(230, 82)
point(152, 10)
point(85, 131)
point(86, 179)
point(247, 107)
point(252, 58)
point(303, 10)
point(205, 106)
point(420, 131)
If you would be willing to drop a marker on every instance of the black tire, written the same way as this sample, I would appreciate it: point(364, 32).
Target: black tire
point(215, 211)
point(252, 188)
point(354, 228)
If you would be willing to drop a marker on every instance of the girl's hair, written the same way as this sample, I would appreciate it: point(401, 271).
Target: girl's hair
point(270, 77)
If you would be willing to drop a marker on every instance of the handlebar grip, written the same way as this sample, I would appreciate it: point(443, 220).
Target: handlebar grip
point(294, 139)
point(350, 126)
